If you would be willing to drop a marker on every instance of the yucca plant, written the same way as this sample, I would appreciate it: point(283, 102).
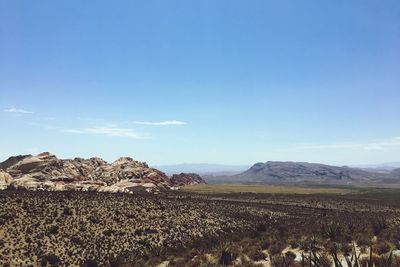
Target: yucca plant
point(314, 259)
point(228, 254)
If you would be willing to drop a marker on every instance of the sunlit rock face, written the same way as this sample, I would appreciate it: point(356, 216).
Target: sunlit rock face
point(5, 179)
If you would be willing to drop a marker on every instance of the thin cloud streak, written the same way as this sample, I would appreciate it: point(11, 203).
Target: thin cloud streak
point(18, 111)
point(109, 131)
point(161, 123)
point(41, 125)
point(390, 143)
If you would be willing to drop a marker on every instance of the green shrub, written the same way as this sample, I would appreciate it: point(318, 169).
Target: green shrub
point(50, 259)
point(226, 258)
point(276, 248)
point(255, 253)
point(68, 211)
point(261, 227)
point(53, 230)
point(378, 225)
point(381, 248)
point(154, 261)
point(90, 263)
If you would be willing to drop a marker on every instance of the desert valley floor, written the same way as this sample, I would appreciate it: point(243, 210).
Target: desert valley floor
point(200, 227)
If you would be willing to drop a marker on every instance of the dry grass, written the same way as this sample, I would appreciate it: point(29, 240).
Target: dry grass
point(267, 189)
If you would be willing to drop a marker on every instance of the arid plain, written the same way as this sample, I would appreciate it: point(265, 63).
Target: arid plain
point(282, 226)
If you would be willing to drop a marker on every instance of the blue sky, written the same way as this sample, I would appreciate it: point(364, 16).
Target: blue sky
point(234, 82)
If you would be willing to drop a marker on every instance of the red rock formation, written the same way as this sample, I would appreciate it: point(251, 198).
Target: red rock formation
point(46, 171)
point(186, 179)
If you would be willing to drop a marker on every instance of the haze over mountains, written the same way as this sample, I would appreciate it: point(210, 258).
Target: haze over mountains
point(208, 169)
point(384, 167)
point(275, 172)
point(203, 168)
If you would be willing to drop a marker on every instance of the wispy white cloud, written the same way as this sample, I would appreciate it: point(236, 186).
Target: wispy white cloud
point(42, 125)
point(161, 123)
point(109, 131)
point(18, 111)
point(383, 144)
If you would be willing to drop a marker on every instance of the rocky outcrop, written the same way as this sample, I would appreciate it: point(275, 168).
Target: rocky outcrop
point(186, 179)
point(46, 172)
point(129, 169)
point(5, 179)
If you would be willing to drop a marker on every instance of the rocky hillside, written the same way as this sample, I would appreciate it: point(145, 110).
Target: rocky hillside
point(46, 172)
point(301, 172)
point(11, 161)
point(186, 179)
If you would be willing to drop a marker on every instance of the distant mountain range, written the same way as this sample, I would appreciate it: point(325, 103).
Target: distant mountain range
point(275, 172)
point(384, 167)
point(203, 169)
